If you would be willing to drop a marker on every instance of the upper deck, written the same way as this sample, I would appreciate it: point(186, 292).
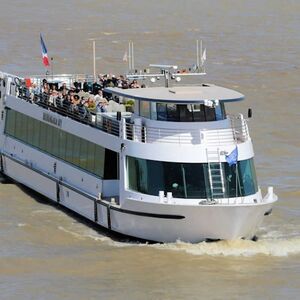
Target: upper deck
point(148, 125)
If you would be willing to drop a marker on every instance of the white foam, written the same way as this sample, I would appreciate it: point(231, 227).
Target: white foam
point(45, 211)
point(275, 247)
point(279, 247)
point(73, 233)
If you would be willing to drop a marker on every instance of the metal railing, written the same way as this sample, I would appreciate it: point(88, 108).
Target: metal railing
point(237, 133)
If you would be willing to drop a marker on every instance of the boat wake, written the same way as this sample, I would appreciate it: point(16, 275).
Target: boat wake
point(270, 246)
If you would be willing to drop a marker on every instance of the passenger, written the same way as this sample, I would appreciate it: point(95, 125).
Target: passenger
point(90, 103)
point(102, 106)
point(67, 103)
point(33, 90)
point(82, 110)
point(59, 100)
point(134, 85)
point(99, 97)
point(75, 102)
point(96, 88)
point(64, 89)
point(45, 87)
point(52, 96)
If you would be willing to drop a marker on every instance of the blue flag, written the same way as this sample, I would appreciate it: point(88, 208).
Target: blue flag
point(232, 158)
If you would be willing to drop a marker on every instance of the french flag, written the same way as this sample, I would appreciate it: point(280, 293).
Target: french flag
point(44, 53)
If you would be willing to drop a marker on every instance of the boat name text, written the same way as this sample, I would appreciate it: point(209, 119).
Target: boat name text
point(51, 119)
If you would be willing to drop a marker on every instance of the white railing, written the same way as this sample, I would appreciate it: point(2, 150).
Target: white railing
point(237, 133)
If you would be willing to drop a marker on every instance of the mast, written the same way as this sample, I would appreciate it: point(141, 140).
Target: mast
point(94, 59)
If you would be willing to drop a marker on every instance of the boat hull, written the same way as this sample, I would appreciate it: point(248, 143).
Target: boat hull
point(144, 220)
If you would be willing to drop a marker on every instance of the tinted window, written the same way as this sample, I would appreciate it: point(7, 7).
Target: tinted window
point(188, 180)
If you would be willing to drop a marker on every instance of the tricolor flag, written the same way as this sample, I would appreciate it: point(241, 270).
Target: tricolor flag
point(44, 53)
point(232, 158)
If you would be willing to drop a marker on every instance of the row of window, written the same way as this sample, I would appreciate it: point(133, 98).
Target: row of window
point(63, 145)
point(182, 112)
point(189, 180)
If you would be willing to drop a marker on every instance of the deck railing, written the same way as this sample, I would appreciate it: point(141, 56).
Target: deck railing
point(237, 133)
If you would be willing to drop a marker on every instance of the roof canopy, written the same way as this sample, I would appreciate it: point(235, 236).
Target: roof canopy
point(183, 94)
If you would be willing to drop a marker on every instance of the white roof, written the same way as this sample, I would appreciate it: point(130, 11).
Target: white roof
point(183, 94)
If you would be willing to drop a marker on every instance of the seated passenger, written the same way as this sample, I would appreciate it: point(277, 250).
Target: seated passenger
point(90, 103)
point(99, 97)
point(134, 85)
point(82, 110)
point(102, 106)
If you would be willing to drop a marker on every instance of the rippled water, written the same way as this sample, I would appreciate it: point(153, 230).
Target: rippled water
point(253, 46)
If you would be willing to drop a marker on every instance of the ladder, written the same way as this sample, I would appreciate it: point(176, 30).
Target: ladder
point(215, 172)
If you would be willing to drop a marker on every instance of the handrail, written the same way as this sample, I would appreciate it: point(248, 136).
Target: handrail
point(210, 137)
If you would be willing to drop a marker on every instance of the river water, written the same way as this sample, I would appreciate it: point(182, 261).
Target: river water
point(252, 46)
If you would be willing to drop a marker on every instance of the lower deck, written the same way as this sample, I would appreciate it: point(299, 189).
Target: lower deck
point(163, 223)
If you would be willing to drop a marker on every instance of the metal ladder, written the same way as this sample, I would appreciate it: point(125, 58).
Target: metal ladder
point(215, 172)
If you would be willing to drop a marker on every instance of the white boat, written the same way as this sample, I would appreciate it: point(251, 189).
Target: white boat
point(177, 168)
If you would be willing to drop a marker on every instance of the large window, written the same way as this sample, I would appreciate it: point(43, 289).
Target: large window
point(188, 180)
point(240, 179)
point(190, 112)
point(182, 179)
point(63, 145)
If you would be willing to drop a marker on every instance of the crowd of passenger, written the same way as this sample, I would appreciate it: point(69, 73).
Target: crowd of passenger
point(80, 98)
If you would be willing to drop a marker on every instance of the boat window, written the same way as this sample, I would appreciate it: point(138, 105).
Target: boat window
point(161, 109)
point(245, 183)
point(10, 122)
point(189, 112)
point(185, 112)
point(172, 112)
point(188, 180)
point(210, 114)
point(62, 145)
point(90, 164)
point(68, 147)
point(36, 133)
point(182, 179)
point(198, 112)
point(43, 136)
point(145, 109)
point(83, 154)
point(56, 142)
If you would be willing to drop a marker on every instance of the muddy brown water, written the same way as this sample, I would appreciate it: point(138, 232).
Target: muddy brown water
point(254, 47)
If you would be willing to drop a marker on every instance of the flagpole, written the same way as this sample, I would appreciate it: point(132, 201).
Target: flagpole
point(201, 50)
point(129, 57)
point(94, 59)
point(51, 66)
point(132, 59)
point(197, 45)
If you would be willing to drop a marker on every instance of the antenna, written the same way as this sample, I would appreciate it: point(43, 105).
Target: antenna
point(94, 60)
point(167, 72)
point(130, 57)
point(197, 54)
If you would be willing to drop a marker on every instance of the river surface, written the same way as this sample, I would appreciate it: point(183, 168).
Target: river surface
point(252, 46)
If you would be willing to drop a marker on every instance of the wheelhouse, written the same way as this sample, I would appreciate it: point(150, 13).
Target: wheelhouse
point(205, 103)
